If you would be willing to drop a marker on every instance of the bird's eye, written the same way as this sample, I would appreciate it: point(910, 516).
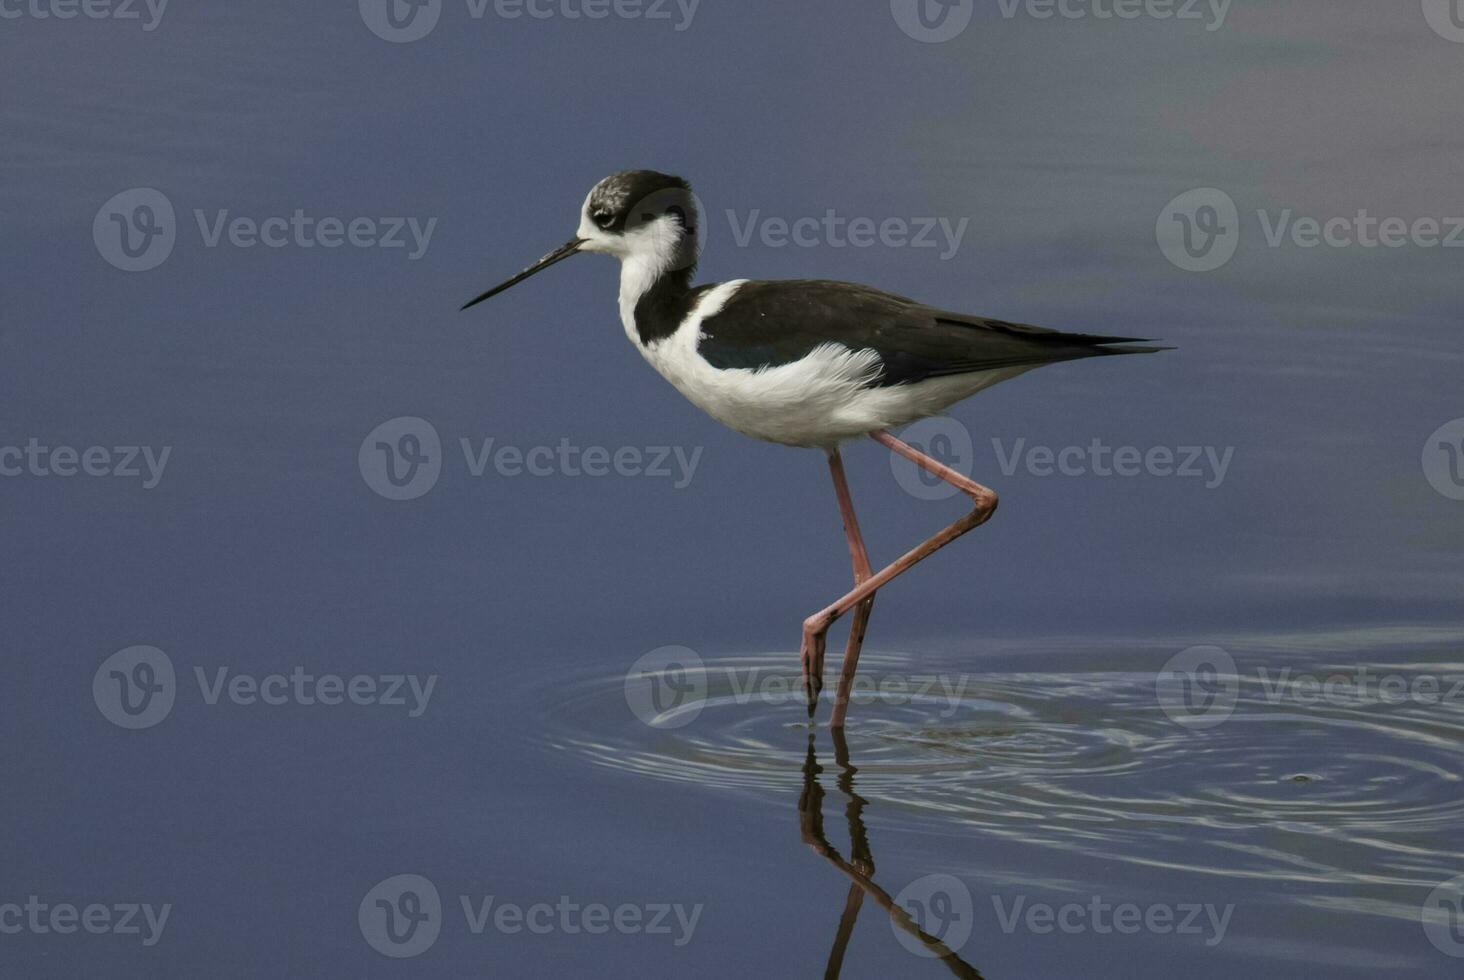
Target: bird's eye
point(602, 218)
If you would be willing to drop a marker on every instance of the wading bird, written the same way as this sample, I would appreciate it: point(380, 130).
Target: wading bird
point(805, 363)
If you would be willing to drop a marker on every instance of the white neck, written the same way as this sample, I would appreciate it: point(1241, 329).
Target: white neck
point(650, 258)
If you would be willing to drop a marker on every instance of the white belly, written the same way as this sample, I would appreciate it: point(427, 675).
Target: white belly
point(818, 401)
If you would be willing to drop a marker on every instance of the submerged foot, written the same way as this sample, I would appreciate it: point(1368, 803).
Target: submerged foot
point(812, 656)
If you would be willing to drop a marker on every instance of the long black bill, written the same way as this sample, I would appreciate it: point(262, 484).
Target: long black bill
point(558, 255)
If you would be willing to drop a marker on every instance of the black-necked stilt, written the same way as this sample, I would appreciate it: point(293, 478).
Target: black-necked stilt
point(804, 363)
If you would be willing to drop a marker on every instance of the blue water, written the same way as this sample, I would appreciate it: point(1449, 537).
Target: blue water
point(260, 719)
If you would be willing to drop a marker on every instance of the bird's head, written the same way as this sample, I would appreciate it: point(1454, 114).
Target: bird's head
point(640, 216)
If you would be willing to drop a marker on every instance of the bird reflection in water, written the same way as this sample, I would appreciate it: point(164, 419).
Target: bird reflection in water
point(859, 867)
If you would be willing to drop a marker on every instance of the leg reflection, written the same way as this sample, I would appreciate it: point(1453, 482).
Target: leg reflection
point(859, 868)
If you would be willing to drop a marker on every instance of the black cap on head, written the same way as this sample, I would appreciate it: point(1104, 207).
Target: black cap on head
point(614, 198)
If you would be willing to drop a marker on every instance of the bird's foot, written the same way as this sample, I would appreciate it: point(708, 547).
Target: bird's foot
point(812, 656)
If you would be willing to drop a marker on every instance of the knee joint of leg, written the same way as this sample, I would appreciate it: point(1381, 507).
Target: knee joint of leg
point(985, 500)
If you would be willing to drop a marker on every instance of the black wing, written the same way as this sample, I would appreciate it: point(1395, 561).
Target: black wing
point(765, 324)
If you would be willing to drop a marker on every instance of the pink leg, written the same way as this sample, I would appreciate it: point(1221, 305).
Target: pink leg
point(813, 666)
point(816, 627)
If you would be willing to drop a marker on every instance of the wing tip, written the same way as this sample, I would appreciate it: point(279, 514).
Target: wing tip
point(1126, 347)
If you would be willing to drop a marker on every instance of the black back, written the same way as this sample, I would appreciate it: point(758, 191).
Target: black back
point(765, 324)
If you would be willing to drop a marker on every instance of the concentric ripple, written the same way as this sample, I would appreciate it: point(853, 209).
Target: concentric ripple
point(1358, 791)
